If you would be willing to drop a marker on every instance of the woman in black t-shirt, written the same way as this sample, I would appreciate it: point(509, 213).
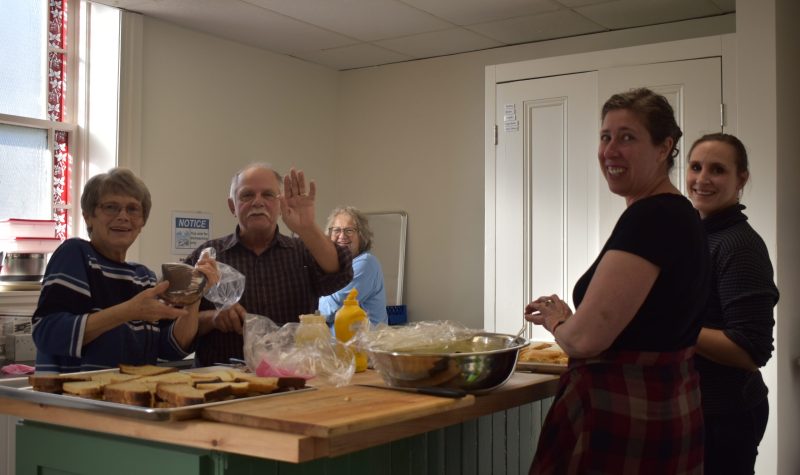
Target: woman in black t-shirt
point(630, 400)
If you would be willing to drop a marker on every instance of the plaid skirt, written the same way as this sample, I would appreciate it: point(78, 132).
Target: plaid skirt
point(625, 412)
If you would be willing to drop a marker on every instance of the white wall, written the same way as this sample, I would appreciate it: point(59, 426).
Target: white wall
point(787, 64)
point(412, 136)
point(211, 106)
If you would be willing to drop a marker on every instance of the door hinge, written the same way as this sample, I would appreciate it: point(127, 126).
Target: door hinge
point(495, 134)
point(722, 115)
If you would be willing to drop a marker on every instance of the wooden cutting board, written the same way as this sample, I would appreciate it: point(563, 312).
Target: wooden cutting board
point(326, 412)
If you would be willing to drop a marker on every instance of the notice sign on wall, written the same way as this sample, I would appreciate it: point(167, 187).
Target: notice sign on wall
point(189, 230)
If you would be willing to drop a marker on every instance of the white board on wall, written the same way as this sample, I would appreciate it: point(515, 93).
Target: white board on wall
point(389, 246)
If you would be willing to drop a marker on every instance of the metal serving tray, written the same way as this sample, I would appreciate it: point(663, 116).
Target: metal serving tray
point(18, 388)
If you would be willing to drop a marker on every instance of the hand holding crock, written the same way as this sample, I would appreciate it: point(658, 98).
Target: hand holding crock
point(548, 311)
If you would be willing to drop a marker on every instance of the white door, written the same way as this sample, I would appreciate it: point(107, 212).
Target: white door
point(552, 208)
point(693, 89)
point(542, 183)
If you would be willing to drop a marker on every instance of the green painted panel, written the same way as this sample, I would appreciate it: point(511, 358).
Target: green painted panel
point(452, 454)
point(419, 455)
point(469, 447)
point(485, 445)
point(528, 430)
point(400, 456)
point(436, 448)
point(512, 441)
point(499, 442)
point(43, 448)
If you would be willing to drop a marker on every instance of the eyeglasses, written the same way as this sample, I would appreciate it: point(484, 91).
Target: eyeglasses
point(112, 210)
point(249, 195)
point(349, 232)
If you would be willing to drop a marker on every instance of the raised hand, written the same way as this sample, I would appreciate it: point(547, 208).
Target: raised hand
point(297, 204)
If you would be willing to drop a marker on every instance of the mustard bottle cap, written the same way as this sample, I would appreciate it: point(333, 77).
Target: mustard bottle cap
point(351, 297)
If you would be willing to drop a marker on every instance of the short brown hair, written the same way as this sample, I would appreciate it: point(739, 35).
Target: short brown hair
point(655, 112)
point(120, 181)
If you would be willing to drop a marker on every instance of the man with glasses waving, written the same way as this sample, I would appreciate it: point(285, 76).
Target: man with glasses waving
point(284, 276)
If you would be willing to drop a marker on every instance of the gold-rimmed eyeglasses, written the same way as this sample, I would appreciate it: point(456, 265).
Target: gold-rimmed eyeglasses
point(112, 210)
point(349, 232)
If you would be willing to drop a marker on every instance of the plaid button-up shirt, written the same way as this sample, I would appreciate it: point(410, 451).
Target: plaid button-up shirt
point(282, 283)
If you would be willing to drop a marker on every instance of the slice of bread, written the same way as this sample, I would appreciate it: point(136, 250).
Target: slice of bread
point(146, 370)
point(51, 382)
point(216, 375)
point(238, 389)
point(88, 389)
point(129, 392)
point(259, 384)
point(111, 378)
point(181, 394)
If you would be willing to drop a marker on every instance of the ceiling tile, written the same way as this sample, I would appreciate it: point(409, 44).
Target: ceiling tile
point(467, 12)
point(537, 27)
point(581, 3)
point(726, 6)
point(632, 13)
point(439, 43)
point(366, 20)
point(350, 57)
point(242, 22)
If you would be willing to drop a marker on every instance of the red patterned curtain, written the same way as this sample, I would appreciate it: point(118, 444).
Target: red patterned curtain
point(57, 81)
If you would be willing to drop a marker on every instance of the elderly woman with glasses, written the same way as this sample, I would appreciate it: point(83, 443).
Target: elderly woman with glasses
point(96, 310)
point(349, 227)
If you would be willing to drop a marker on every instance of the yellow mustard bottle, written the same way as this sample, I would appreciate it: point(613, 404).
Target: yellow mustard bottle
point(312, 328)
point(346, 323)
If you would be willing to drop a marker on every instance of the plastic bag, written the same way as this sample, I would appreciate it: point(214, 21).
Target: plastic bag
point(230, 287)
point(270, 350)
point(440, 336)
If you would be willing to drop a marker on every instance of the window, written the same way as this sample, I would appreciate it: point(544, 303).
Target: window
point(47, 93)
point(36, 124)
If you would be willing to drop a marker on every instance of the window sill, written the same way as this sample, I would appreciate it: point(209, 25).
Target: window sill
point(18, 302)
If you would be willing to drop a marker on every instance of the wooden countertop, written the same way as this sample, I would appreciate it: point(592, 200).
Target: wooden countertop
point(521, 389)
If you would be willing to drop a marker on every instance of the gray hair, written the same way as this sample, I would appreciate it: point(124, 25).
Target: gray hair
point(362, 225)
point(238, 174)
point(118, 181)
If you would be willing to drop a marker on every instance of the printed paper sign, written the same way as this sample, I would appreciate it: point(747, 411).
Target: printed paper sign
point(189, 230)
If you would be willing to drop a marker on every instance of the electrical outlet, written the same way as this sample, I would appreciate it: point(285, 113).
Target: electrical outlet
point(20, 347)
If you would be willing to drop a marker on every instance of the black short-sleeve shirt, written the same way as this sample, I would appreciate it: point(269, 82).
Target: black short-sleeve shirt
point(667, 231)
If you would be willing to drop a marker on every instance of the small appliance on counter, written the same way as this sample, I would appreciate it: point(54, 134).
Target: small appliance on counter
point(25, 246)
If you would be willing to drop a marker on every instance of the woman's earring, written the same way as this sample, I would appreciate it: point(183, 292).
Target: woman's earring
point(740, 193)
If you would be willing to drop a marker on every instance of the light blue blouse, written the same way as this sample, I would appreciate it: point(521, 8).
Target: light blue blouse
point(368, 279)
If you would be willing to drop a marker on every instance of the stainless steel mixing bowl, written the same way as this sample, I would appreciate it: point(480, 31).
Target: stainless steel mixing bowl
point(486, 362)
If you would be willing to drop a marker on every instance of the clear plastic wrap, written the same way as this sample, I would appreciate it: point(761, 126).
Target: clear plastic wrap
point(270, 350)
point(440, 336)
point(230, 287)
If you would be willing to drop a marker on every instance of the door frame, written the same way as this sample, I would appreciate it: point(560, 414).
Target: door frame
point(723, 46)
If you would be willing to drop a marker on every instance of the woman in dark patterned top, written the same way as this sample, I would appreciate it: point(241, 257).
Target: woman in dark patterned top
point(736, 338)
point(96, 309)
point(630, 399)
